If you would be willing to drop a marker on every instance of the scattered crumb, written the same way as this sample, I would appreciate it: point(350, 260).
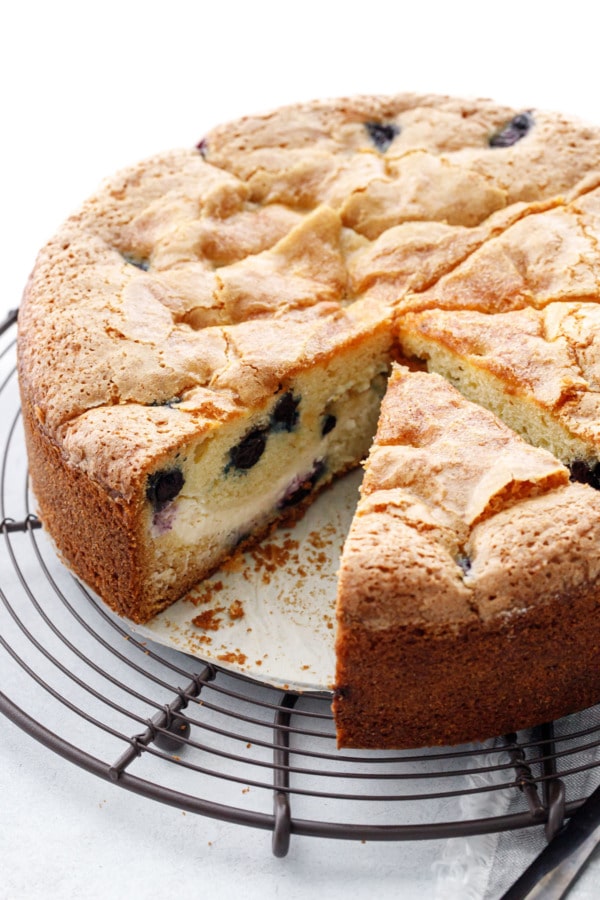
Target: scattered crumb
point(248, 746)
point(204, 592)
point(235, 563)
point(320, 560)
point(233, 656)
point(315, 539)
point(246, 790)
point(208, 620)
point(236, 610)
point(271, 556)
point(281, 559)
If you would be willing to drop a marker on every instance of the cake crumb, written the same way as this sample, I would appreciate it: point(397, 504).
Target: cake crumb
point(204, 593)
point(233, 656)
point(236, 610)
point(234, 564)
point(208, 620)
point(271, 556)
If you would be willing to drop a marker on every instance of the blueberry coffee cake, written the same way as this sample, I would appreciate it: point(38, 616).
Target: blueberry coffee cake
point(205, 344)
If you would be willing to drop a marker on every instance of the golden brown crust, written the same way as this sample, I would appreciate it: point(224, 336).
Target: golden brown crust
point(94, 532)
point(548, 256)
point(228, 260)
point(320, 152)
point(406, 687)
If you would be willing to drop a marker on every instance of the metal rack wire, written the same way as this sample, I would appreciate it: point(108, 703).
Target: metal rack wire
point(184, 733)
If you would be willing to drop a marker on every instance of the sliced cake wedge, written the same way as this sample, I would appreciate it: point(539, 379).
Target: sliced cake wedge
point(470, 581)
point(538, 369)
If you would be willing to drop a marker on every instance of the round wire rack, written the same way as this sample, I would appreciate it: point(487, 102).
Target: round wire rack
point(180, 731)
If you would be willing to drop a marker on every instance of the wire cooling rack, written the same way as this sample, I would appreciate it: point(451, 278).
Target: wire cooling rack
point(182, 732)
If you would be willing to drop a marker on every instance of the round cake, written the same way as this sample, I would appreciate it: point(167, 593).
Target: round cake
point(205, 345)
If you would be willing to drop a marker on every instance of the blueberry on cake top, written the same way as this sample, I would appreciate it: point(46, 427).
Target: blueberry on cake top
point(204, 345)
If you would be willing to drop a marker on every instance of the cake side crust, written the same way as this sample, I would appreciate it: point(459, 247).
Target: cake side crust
point(403, 687)
point(96, 533)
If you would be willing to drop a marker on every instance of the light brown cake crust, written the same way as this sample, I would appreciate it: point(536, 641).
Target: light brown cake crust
point(406, 687)
point(197, 286)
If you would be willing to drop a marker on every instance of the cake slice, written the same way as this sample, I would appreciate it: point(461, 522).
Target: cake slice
point(538, 370)
point(469, 582)
point(516, 327)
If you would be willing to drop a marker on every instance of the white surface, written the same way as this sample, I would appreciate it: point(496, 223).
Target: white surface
point(88, 88)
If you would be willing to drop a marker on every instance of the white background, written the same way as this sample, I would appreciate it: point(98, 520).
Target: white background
point(87, 88)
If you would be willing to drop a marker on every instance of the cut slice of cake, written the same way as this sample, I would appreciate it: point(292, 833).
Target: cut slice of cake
point(516, 328)
point(468, 587)
point(536, 369)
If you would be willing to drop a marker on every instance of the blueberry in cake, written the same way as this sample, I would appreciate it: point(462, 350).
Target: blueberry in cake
point(205, 344)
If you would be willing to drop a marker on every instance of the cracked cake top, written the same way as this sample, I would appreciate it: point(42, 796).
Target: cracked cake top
point(458, 516)
point(190, 286)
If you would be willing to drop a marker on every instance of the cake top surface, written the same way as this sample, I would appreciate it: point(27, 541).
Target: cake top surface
point(549, 358)
point(453, 455)
point(209, 276)
point(458, 516)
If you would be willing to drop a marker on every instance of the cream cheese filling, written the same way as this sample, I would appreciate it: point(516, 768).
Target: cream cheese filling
point(191, 518)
